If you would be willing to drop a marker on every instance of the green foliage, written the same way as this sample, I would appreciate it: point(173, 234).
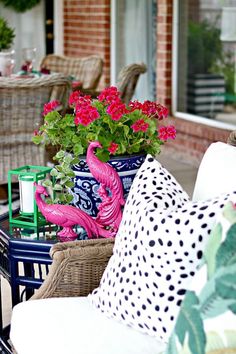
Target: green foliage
point(216, 343)
point(206, 54)
point(218, 294)
point(204, 47)
point(20, 5)
point(211, 249)
point(6, 34)
point(62, 175)
point(189, 321)
point(211, 301)
point(226, 67)
point(226, 254)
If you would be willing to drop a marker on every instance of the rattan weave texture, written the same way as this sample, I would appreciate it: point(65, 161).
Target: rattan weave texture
point(21, 107)
point(128, 78)
point(87, 70)
point(77, 268)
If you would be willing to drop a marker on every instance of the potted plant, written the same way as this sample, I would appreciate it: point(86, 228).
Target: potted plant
point(6, 39)
point(134, 129)
point(205, 50)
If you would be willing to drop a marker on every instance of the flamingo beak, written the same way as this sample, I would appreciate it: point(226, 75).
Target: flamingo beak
point(45, 193)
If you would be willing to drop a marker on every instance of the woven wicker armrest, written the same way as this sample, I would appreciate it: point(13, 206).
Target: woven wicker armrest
point(76, 269)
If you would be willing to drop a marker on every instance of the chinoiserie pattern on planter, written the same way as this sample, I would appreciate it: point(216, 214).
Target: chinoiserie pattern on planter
point(85, 191)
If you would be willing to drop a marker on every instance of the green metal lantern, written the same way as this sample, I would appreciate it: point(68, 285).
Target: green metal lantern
point(27, 176)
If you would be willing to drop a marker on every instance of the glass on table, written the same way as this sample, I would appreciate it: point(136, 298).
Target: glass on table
point(7, 63)
point(29, 56)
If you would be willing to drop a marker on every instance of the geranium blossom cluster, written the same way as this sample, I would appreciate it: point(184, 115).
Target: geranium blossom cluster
point(120, 128)
point(86, 113)
point(50, 106)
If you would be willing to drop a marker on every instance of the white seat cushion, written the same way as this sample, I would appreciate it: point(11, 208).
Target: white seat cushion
point(217, 171)
point(73, 326)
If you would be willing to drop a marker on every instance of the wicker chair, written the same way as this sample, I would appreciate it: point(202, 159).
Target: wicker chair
point(86, 70)
point(77, 268)
point(21, 107)
point(128, 78)
point(126, 82)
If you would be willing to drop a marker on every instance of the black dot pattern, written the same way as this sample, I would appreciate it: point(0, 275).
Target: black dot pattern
point(157, 250)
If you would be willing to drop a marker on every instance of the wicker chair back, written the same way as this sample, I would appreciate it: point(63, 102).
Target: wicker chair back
point(21, 107)
point(87, 70)
point(128, 78)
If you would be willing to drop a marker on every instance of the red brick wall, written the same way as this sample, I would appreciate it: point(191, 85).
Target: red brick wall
point(87, 31)
point(164, 51)
point(193, 139)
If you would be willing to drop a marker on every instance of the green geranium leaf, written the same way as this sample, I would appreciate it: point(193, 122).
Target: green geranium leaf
point(189, 322)
point(37, 139)
point(47, 183)
point(58, 167)
point(103, 155)
point(78, 149)
point(52, 117)
point(126, 130)
point(60, 175)
point(54, 172)
point(60, 154)
point(68, 159)
point(69, 184)
point(74, 161)
point(226, 254)
point(57, 187)
point(212, 248)
point(68, 198)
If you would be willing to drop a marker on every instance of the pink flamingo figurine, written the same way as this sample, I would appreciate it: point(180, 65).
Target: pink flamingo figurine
point(67, 216)
point(110, 212)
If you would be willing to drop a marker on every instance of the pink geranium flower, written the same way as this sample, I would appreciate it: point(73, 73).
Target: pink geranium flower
point(116, 110)
point(109, 95)
point(86, 115)
point(168, 132)
point(50, 106)
point(140, 125)
point(153, 109)
point(135, 105)
point(112, 147)
point(74, 96)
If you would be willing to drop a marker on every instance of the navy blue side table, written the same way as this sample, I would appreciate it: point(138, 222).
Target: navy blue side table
point(24, 260)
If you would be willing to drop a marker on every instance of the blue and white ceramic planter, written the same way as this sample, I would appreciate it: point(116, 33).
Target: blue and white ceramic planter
point(85, 190)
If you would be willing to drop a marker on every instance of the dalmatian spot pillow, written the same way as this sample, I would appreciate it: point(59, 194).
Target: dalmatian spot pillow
point(153, 184)
point(156, 254)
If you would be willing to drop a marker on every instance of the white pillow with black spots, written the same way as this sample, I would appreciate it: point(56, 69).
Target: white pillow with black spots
point(156, 254)
point(154, 184)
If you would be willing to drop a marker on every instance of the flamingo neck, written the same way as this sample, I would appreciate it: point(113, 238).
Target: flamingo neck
point(40, 202)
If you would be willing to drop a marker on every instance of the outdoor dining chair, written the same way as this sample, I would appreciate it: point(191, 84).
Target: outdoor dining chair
point(87, 70)
point(21, 106)
point(126, 81)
